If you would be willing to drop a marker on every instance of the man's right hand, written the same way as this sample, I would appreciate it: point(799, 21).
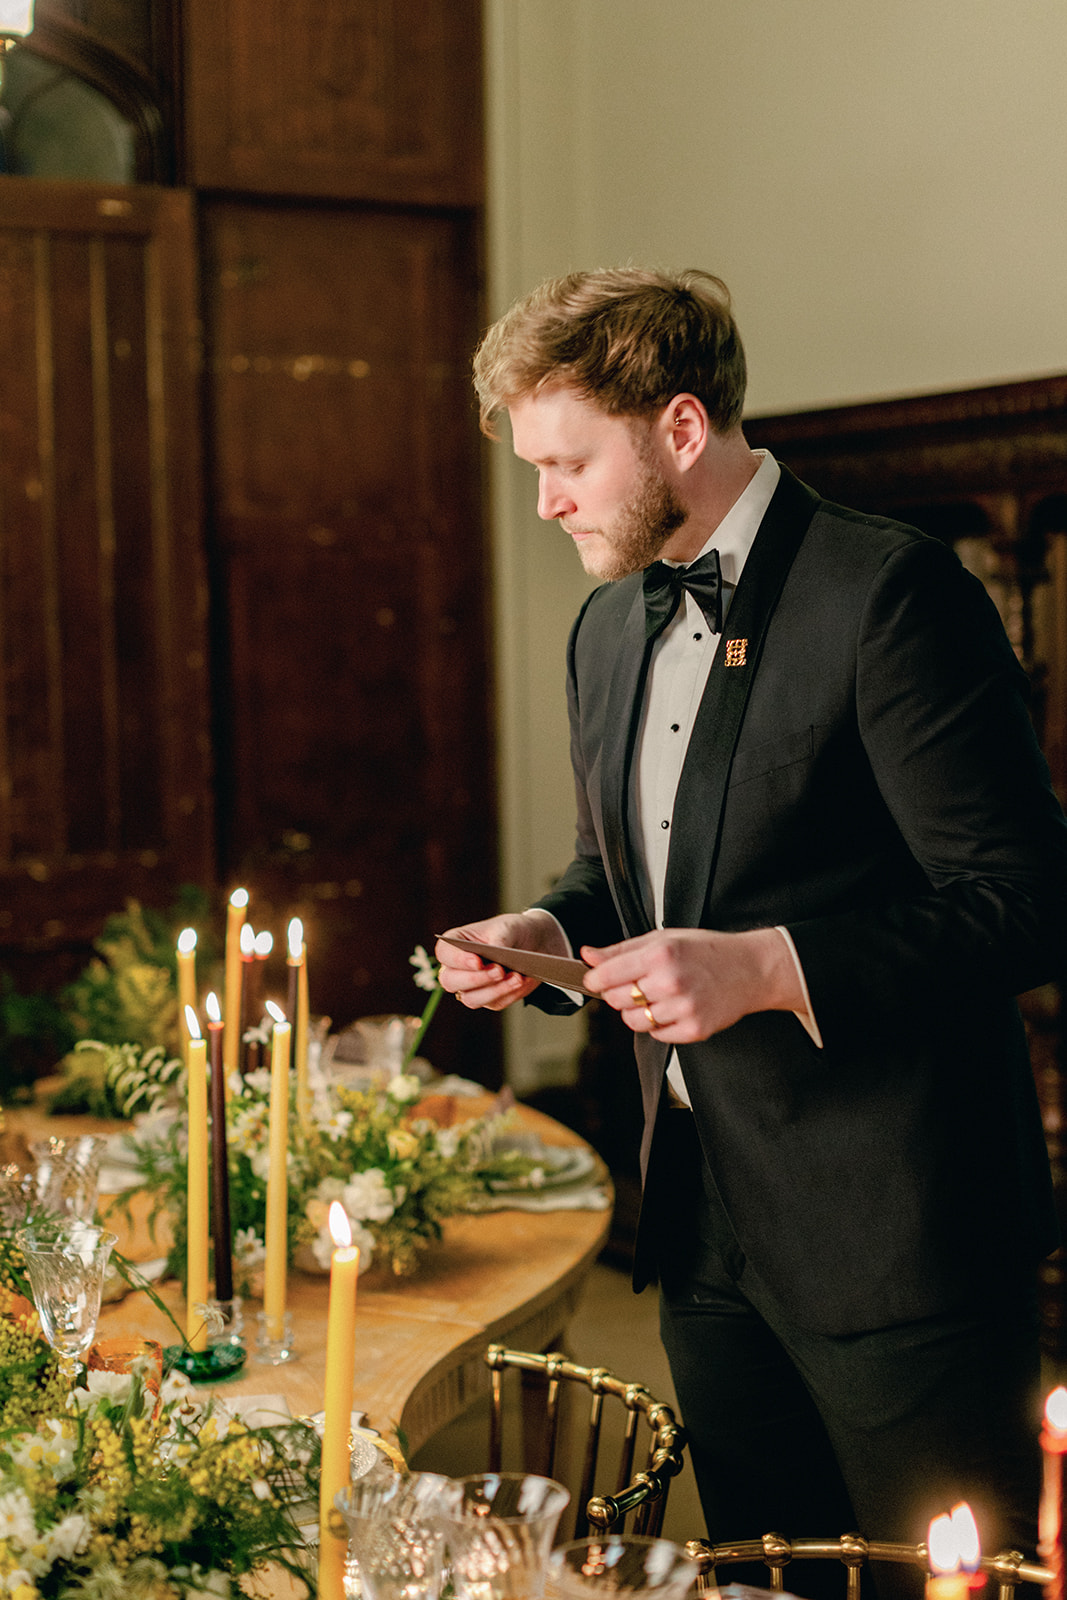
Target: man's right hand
point(475, 982)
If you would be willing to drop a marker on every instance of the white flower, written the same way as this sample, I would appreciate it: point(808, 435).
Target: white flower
point(367, 1197)
point(248, 1248)
point(19, 1579)
point(404, 1087)
point(261, 1488)
point(337, 1124)
point(448, 1141)
point(68, 1537)
point(114, 1386)
point(425, 971)
point(259, 1081)
point(50, 1449)
point(329, 1189)
point(16, 1519)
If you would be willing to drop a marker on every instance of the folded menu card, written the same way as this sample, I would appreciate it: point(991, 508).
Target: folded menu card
point(564, 972)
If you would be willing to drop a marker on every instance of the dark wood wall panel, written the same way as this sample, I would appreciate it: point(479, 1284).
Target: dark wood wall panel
point(104, 748)
point(352, 559)
point(376, 101)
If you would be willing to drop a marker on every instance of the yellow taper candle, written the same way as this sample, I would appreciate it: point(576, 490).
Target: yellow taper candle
point(186, 957)
point(297, 963)
point(277, 1177)
point(236, 912)
point(340, 1373)
point(196, 1188)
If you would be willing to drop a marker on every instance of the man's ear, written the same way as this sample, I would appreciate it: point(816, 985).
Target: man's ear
point(684, 429)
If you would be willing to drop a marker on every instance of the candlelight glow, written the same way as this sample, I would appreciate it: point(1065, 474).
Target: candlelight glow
point(212, 1007)
point(1056, 1410)
point(239, 898)
point(340, 1227)
point(187, 941)
point(296, 938)
point(192, 1022)
point(276, 1011)
point(264, 944)
point(248, 939)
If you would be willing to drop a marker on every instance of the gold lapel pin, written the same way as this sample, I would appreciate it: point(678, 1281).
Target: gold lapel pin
point(735, 652)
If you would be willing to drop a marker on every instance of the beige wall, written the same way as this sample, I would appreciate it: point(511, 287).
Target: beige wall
point(880, 184)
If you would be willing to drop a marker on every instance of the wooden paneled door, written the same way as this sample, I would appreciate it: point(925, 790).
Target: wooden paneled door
point(105, 760)
point(355, 771)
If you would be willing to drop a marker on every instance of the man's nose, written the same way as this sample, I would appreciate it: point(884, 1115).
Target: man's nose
point(552, 501)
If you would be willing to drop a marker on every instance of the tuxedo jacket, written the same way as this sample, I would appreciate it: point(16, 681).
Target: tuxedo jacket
point(862, 770)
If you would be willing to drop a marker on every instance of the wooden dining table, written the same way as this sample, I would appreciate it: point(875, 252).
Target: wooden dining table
point(512, 1277)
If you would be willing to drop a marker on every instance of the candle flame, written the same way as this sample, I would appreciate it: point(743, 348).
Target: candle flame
point(1056, 1410)
point(248, 939)
point(239, 898)
point(296, 938)
point(968, 1544)
point(187, 940)
point(952, 1543)
point(212, 1007)
point(340, 1227)
point(192, 1022)
point(941, 1545)
point(264, 944)
point(277, 1013)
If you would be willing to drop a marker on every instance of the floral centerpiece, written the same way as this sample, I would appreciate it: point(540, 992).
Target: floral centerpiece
point(126, 1489)
point(398, 1159)
point(390, 1155)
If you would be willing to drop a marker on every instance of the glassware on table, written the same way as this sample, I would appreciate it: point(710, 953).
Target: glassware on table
point(500, 1533)
point(66, 1260)
point(626, 1565)
point(396, 1540)
point(126, 1354)
point(68, 1173)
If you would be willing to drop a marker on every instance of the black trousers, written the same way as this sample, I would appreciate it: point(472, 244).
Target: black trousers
point(809, 1435)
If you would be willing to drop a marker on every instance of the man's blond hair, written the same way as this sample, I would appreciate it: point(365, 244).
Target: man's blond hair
point(626, 338)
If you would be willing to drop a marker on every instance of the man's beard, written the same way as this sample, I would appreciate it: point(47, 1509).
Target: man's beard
point(638, 532)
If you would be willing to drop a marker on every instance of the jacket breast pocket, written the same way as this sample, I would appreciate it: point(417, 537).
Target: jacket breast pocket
point(772, 756)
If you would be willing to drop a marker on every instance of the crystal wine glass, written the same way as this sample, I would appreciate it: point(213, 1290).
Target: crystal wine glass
point(499, 1536)
point(68, 1173)
point(66, 1261)
point(395, 1538)
point(620, 1567)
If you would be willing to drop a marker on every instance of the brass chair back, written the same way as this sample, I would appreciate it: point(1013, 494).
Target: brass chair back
point(1008, 1569)
point(643, 1491)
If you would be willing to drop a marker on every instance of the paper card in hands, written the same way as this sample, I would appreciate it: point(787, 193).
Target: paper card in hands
point(560, 970)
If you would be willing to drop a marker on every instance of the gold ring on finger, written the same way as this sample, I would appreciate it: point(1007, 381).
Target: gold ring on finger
point(651, 1019)
point(638, 996)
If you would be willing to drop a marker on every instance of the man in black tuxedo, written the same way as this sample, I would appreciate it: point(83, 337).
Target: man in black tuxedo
point(818, 856)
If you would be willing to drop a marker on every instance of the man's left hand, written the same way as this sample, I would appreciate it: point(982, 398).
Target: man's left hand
point(684, 984)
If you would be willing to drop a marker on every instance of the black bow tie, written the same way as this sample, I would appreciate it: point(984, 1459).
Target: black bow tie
point(663, 590)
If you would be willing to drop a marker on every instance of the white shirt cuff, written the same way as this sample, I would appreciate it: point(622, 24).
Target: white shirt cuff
point(806, 1018)
point(568, 950)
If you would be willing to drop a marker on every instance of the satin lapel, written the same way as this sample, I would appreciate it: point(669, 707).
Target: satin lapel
point(620, 723)
point(698, 805)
